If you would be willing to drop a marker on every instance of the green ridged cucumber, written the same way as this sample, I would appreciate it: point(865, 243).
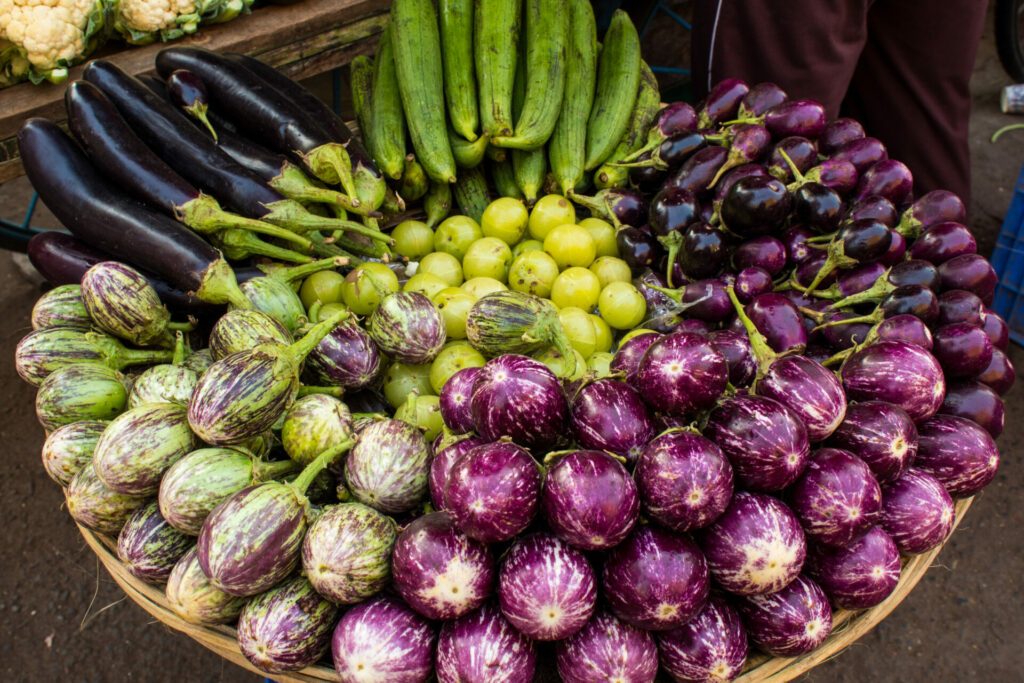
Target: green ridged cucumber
point(648, 101)
point(361, 78)
point(457, 53)
point(495, 52)
point(467, 154)
point(504, 179)
point(386, 132)
point(470, 192)
point(618, 77)
point(437, 203)
point(567, 148)
point(414, 180)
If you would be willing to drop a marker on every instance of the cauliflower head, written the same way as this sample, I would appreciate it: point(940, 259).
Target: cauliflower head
point(144, 21)
point(51, 35)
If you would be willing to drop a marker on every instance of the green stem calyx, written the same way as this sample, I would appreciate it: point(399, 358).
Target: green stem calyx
point(319, 464)
point(764, 354)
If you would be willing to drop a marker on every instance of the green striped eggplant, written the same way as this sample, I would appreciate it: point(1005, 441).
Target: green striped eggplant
point(192, 487)
point(139, 445)
point(88, 391)
point(168, 383)
point(252, 540)
point(61, 307)
point(274, 295)
point(408, 327)
point(199, 361)
point(149, 547)
point(69, 448)
point(97, 507)
point(389, 466)
point(243, 329)
point(347, 553)
point(122, 302)
point(287, 628)
point(244, 394)
point(516, 322)
point(196, 600)
point(41, 352)
point(313, 424)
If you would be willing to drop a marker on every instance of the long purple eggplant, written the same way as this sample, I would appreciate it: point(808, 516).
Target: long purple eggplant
point(99, 215)
point(116, 151)
point(197, 158)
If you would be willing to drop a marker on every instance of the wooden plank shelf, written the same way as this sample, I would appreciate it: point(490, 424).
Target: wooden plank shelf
point(302, 39)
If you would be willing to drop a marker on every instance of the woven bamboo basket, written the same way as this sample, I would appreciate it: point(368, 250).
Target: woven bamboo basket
point(848, 626)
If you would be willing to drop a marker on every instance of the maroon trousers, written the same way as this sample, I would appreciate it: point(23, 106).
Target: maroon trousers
point(902, 67)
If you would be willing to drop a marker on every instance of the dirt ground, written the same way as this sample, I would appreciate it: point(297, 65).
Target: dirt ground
point(63, 618)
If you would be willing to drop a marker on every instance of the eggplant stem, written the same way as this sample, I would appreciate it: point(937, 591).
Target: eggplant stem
point(331, 163)
point(309, 390)
point(874, 318)
point(179, 348)
point(319, 464)
point(303, 347)
point(219, 286)
point(877, 291)
point(798, 177)
point(323, 246)
point(764, 354)
point(267, 471)
point(181, 327)
point(647, 147)
point(197, 110)
point(239, 244)
point(295, 184)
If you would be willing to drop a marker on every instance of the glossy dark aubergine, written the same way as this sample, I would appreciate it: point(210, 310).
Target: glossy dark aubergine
point(733, 176)
point(878, 208)
point(915, 272)
point(722, 102)
point(859, 278)
point(801, 151)
point(839, 336)
point(752, 282)
point(944, 241)
point(1000, 373)
point(638, 247)
point(676, 150)
point(703, 251)
point(779, 321)
point(808, 269)
point(971, 272)
point(748, 142)
point(818, 207)
point(963, 350)
point(937, 206)
point(764, 252)
point(760, 98)
point(796, 117)
point(905, 328)
point(839, 132)
point(996, 329)
point(755, 206)
point(896, 252)
point(959, 306)
point(887, 178)
point(863, 153)
point(865, 240)
point(836, 174)
point(647, 178)
point(699, 169)
point(672, 209)
point(735, 348)
point(976, 402)
point(795, 241)
point(914, 300)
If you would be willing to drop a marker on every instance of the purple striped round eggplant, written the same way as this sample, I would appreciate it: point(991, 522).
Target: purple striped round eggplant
point(710, 647)
point(809, 390)
point(199, 361)
point(627, 358)
point(192, 487)
point(346, 554)
point(275, 297)
point(387, 469)
point(383, 640)
point(62, 306)
point(655, 579)
point(86, 391)
point(493, 491)
point(681, 373)
point(484, 648)
point(756, 546)
point(837, 498)
point(69, 448)
point(589, 500)
point(408, 327)
point(149, 547)
point(455, 400)
point(313, 424)
point(138, 447)
point(607, 649)
point(193, 598)
point(881, 434)
point(347, 357)
point(735, 348)
point(862, 574)
point(244, 394)
point(97, 507)
point(765, 442)
point(163, 384)
point(41, 352)
point(520, 398)
point(898, 373)
point(439, 571)
point(122, 302)
point(243, 330)
point(684, 480)
point(287, 628)
point(977, 402)
point(609, 415)
point(441, 466)
point(546, 588)
point(251, 541)
point(957, 452)
point(790, 622)
point(917, 512)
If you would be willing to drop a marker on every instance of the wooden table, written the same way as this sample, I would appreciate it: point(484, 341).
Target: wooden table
point(303, 39)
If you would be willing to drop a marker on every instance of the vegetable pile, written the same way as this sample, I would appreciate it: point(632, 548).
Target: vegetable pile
point(693, 423)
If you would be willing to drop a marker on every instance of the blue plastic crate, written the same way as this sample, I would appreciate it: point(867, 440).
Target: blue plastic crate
point(1008, 261)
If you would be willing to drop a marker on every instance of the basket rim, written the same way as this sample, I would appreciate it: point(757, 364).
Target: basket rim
point(847, 626)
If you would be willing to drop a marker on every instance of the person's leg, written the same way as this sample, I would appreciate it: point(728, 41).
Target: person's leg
point(809, 47)
point(911, 87)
